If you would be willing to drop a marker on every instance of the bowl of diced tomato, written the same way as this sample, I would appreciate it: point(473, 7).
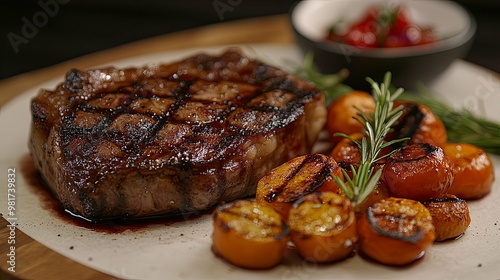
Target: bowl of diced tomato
point(415, 40)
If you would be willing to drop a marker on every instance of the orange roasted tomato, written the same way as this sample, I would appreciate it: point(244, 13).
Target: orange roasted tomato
point(283, 185)
point(342, 111)
point(474, 171)
point(323, 227)
point(420, 124)
point(379, 192)
point(395, 231)
point(249, 234)
point(450, 216)
point(346, 152)
point(420, 171)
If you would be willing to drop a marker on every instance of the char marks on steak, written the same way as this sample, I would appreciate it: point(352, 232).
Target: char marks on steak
point(170, 138)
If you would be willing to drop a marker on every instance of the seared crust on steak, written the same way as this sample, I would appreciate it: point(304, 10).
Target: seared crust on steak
point(170, 138)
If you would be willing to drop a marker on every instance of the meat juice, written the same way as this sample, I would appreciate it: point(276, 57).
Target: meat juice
point(50, 203)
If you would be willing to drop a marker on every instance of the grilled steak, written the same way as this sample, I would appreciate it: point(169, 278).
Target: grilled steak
point(169, 138)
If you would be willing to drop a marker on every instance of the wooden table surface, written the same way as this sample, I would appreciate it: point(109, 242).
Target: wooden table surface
point(35, 261)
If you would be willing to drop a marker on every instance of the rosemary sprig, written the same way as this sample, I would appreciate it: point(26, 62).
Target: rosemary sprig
point(376, 126)
point(462, 125)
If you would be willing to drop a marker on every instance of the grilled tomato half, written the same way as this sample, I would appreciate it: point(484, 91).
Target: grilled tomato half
point(285, 184)
point(323, 227)
point(420, 171)
point(249, 234)
point(473, 169)
point(450, 216)
point(419, 124)
point(395, 231)
point(342, 113)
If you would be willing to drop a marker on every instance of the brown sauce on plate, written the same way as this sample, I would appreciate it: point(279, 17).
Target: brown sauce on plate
point(50, 203)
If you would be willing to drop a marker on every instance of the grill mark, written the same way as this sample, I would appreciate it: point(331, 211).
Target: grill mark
point(81, 89)
point(427, 148)
point(239, 215)
point(319, 178)
point(282, 118)
point(444, 199)
point(180, 94)
point(266, 78)
point(408, 124)
point(279, 189)
point(415, 237)
point(74, 80)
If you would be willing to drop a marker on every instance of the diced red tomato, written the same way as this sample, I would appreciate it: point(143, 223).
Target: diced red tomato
point(388, 28)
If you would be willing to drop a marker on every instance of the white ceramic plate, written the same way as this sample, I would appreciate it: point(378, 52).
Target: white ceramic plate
point(181, 249)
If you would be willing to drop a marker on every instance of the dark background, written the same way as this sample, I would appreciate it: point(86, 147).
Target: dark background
point(74, 28)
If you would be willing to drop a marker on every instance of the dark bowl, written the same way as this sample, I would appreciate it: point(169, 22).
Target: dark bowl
point(454, 26)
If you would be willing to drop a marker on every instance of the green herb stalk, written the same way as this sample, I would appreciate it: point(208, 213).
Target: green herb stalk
point(376, 126)
point(462, 125)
